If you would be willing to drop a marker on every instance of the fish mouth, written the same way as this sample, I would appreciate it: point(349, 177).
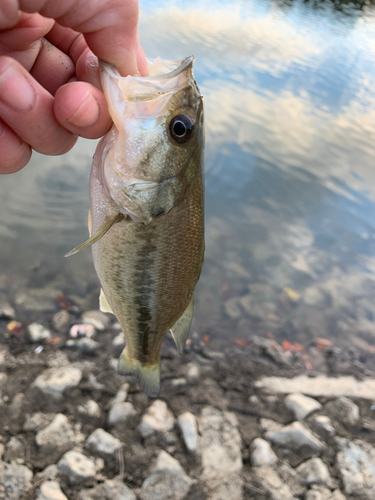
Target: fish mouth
point(166, 76)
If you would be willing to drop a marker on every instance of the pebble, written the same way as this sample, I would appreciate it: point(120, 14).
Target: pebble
point(227, 487)
point(90, 409)
point(356, 464)
point(112, 489)
point(101, 442)
point(50, 490)
point(58, 436)
point(14, 480)
point(272, 483)
point(77, 467)
point(119, 339)
point(324, 494)
point(54, 381)
point(314, 471)
point(98, 319)
point(320, 386)
point(158, 418)
point(262, 453)
point(187, 424)
point(120, 412)
point(3, 380)
point(37, 299)
point(36, 421)
point(192, 372)
point(84, 344)
point(233, 309)
point(38, 332)
point(121, 394)
point(61, 321)
point(14, 450)
point(266, 424)
point(296, 437)
point(220, 441)
point(6, 310)
point(301, 405)
point(323, 426)
point(344, 409)
point(2, 449)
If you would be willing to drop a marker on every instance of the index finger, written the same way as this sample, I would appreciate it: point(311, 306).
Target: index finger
point(110, 26)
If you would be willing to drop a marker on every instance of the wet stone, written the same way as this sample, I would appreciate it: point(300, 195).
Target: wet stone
point(90, 409)
point(77, 467)
point(54, 381)
point(232, 308)
point(112, 489)
point(272, 483)
point(297, 438)
point(192, 372)
point(225, 487)
point(84, 344)
point(38, 332)
point(120, 412)
point(344, 409)
point(314, 471)
point(356, 464)
point(14, 449)
point(158, 418)
point(61, 321)
point(323, 426)
point(121, 394)
point(50, 490)
point(301, 405)
point(98, 319)
point(119, 340)
point(57, 437)
point(14, 480)
point(101, 442)
point(187, 424)
point(220, 441)
point(36, 421)
point(262, 453)
point(267, 424)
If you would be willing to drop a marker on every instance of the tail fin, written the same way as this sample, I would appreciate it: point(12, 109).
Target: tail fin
point(148, 377)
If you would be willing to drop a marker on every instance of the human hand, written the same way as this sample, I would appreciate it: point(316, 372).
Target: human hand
point(44, 44)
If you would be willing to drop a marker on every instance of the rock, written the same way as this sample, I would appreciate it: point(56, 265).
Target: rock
point(233, 309)
point(270, 349)
point(101, 442)
point(77, 467)
point(98, 319)
point(301, 405)
point(226, 487)
point(256, 309)
point(54, 381)
point(178, 382)
point(220, 441)
point(57, 437)
point(266, 424)
point(121, 395)
point(113, 489)
point(36, 421)
point(50, 473)
point(14, 480)
point(119, 339)
point(344, 410)
point(168, 480)
point(14, 450)
point(356, 464)
point(120, 412)
point(38, 332)
point(84, 330)
point(314, 471)
point(320, 386)
point(6, 310)
point(90, 409)
point(272, 483)
point(3, 380)
point(187, 424)
point(296, 438)
point(192, 372)
point(50, 490)
point(37, 299)
point(158, 418)
point(262, 453)
point(2, 449)
point(324, 494)
point(323, 426)
point(84, 344)
point(61, 321)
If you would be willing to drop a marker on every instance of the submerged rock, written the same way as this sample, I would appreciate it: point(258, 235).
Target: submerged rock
point(14, 480)
point(314, 471)
point(262, 453)
point(301, 405)
point(38, 299)
point(120, 412)
point(38, 332)
point(112, 489)
point(187, 424)
point(344, 410)
point(54, 381)
point(98, 319)
point(158, 418)
point(50, 490)
point(77, 467)
point(57, 437)
point(102, 443)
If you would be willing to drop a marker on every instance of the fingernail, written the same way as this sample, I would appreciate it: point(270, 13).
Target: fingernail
point(87, 114)
point(15, 91)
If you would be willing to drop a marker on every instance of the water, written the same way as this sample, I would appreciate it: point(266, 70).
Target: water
point(290, 206)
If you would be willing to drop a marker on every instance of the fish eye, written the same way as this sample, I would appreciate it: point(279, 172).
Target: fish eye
point(181, 128)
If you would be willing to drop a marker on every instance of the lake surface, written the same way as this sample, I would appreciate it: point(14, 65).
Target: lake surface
point(289, 92)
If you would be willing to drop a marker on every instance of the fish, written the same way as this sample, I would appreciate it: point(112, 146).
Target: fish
point(147, 210)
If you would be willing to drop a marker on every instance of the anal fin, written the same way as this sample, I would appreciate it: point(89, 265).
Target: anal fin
point(148, 376)
point(180, 330)
point(103, 303)
point(106, 226)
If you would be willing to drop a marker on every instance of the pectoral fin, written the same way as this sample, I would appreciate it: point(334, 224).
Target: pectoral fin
point(103, 303)
point(106, 226)
point(180, 330)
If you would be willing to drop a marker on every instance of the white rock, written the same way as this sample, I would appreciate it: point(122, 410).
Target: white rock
point(102, 443)
point(314, 471)
point(187, 424)
point(225, 487)
point(266, 424)
point(166, 462)
point(98, 319)
point(347, 410)
point(192, 372)
point(120, 412)
point(301, 405)
point(50, 490)
point(220, 441)
point(84, 344)
point(272, 483)
point(262, 453)
point(323, 425)
point(36, 421)
point(77, 467)
point(58, 435)
point(114, 489)
point(90, 408)
point(158, 418)
point(320, 386)
point(119, 339)
point(324, 494)
point(54, 381)
point(356, 464)
point(14, 480)
point(38, 332)
point(121, 395)
point(297, 438)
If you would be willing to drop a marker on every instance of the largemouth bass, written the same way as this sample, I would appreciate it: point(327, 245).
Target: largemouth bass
point(146, 205)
